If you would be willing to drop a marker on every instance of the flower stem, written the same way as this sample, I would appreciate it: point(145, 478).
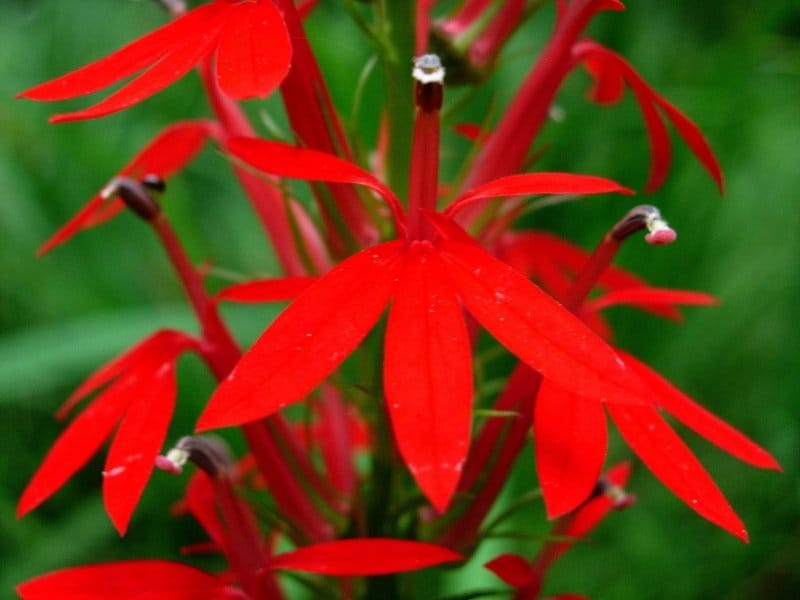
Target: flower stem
point(268, 447)
point(506, 147)
point(424, 175)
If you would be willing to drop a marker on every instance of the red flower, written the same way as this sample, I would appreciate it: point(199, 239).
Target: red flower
point(253, 55)
point(571, 439)
point(163, 580)
point(517, 571)
point(140, 397)
point(428, 281)
point(611, 72)
point(169, 152)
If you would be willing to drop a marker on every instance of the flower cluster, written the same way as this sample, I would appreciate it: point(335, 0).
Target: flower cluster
point(391, 276)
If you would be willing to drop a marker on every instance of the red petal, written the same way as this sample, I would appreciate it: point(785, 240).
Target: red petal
point(537, 329)
point(308, 340)
point(570, 436)
point(266, 290)
point(658, 138)
point(86, 217)
point(309, 165)
point(131, 580)
point(427, 373)
point(375, 556)
point(201, 503)
point(174, 65)
point(170, 150)
point(537, 183)
point(673, 463)
point(127, 60)
point(137, 443)
point(536, 253)
point(648, 296)
point(77, 443)
point(166, 344)
point(254, 52)
point(695, 139)
point(702, 421)
point(512, 569)
point(647, 96)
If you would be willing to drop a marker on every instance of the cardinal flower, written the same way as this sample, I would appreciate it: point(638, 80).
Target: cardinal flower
point(167, 153)
point(571, 439)
point(611, 72)
point(140, 397)
point(428, 277)
point(253, 55)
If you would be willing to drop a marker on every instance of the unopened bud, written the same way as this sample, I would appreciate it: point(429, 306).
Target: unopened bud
point(429, 75)
point(135, 195)
point(207, 453)
point(644, 217)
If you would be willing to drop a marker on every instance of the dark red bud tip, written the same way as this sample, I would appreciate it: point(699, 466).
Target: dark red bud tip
point(135, 195)
point(429, 75)
point(154, 183)
point(207, 453)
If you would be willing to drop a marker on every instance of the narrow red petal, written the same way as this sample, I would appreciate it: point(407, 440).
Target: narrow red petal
point(538, 329)
point(165, 343)
point(130, 580)
point(570, 435)
point(138, 441)
point(695, 139)
point(266, 290)
point(658, 138)
point(513, 569)
point(427, 375)
point(530, 184)
point(700, 420)
point(86, 217)
point(373, 556)
point(648, 296)
point(308, 340)
point(77, 443)
point(254, 52)
point(127, 60)
point(536, 253)
point(201, 504)
point(168, 152)
point(174, 65)
point(691, 134)
point(174, 147)
point(671, 461)
point(309, 165)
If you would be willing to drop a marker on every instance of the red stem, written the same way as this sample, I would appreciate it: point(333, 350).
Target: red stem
point(424, 177)
point(506, 147)
point(267, 446)
point(267, 201)
point(316, 123)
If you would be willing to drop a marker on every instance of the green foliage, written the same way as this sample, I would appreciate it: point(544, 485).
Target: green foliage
point(734, 68)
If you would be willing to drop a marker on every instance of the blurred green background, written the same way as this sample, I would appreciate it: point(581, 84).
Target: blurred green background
point(733, 67)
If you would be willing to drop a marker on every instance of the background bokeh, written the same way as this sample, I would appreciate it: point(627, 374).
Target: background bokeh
point(733, 67)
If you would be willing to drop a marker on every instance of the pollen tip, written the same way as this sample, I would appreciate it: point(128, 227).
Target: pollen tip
point(661, 237)
point(428, 69)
